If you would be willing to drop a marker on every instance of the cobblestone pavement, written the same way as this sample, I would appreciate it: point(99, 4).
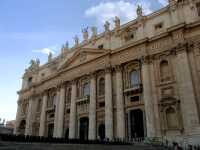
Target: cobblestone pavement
point(39, 146)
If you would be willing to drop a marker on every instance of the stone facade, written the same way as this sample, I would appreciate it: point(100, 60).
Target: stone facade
point(141, 79)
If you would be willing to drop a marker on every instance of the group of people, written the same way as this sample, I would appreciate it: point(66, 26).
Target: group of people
point(32, 139)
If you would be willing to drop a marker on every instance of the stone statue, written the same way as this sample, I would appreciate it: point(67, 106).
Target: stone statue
point(32, 62)
point(67, 45)
point(50, 57)
point(139, 11)
point(107, 26)
point(76, 39)
point(94, 31)
point(38, 62)
point(85, 34)
point(63, 49)
point(117, 22)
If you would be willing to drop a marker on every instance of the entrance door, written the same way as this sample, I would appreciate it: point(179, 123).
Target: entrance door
point(67, 134)
point(50, 130)
point(84, 125)
point(101, 131)
point(137, 123)
point(22, 127)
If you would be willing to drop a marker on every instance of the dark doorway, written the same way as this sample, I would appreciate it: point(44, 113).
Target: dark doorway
point(22, 127)
point(101, 131)
point(50, 130)
point(84, 125)
point(67, 134)
point(137, 123)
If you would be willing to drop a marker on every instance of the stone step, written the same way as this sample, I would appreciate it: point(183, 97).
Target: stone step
point(49, 146)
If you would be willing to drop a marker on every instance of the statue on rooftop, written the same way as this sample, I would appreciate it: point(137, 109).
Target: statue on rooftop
point(67, 45)
point(107, 26)
point(50, 57)
point(94, 32)
point(76, 39)
point(139, 11)
point(85, 34)
point(117, 22)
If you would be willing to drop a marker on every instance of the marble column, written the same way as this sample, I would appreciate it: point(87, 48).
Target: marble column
point(148, 98)
point(120, 104)
point(186, 92)
point(28, 130)
point(61, 112)
point(92, 108)
point(18, 117)
point(72, 123)
point(43, 115)
point(108, 105)
point(55, 132)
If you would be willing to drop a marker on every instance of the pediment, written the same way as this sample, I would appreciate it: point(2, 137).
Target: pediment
point(82, 56)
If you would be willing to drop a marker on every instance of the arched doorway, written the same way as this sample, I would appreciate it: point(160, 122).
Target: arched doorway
point(67, 133)
point(84, 125)
point(22, 127)
point(137, 123)
point(101, 131)
point(50, 130)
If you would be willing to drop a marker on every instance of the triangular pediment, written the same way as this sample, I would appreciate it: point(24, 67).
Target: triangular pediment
point(82, 56)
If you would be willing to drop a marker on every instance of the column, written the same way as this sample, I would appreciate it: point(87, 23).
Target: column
point(186, 92)
point(43, 115)
point(72, 123)
point(28, 130)
point(108, 105)
point(61, 112)
point(148, 99)
point(120, 104)
point(17, 117)
point(55, 132)
point(92, 108)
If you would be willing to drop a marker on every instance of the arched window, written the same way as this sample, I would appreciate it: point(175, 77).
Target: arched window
point(172, 121)
point(86, 89)
point(101, 86)
point(135, 78)
point(164, 70)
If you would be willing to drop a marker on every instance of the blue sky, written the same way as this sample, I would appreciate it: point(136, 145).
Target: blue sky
point(31, 28)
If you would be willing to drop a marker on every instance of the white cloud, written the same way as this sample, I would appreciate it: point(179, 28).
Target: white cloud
point(163, 2)
point(123, 9)
point(47, 50)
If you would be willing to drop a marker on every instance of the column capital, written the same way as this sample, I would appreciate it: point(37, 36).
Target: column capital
point(118, 68)
point(93, 75)
point(108, 70)
point(144, 60)
point(74, 81)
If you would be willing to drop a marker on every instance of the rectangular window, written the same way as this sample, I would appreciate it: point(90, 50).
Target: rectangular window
point(100, 46)
point(135, 99)
point(198, 8)
point(102, 104)
point(158, 26)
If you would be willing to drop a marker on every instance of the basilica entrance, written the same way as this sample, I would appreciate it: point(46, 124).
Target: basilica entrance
point(67, 134)
point(136, 123)
point(84, 125)
point(22, 127)
point(101, 131)
point(50, 130)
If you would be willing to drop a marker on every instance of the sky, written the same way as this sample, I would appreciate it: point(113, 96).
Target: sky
point(30, 29)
